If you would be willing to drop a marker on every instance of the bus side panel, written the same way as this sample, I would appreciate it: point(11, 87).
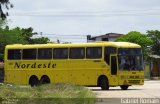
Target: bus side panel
point(77, 71)
point(59, 74)
point(57, 71)
point(14, 76)
point(86, 72)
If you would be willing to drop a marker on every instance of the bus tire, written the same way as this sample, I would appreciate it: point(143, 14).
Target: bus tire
point(124, 87)
point(103, 83)
point(44, 80)
point(33, 81)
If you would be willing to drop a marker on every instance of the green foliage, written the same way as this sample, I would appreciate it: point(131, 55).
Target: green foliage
point(3, 23)
point(42, 40)
point(47, 94)
point(155, 36)
point(7, 5)
point(27, 33)
point(138, 38)
point(1, 57)
point(10, 37)
point(19, 36)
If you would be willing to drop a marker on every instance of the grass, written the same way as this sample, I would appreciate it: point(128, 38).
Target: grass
point(46, 94)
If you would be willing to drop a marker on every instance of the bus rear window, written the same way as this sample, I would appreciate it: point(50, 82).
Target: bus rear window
point(77, 53)
point(29, 54)
point(14, 54)
point(94, 52)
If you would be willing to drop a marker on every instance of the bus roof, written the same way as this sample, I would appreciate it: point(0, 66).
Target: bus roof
point(50, 45)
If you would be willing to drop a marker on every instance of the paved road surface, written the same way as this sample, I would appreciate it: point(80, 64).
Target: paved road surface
point(151, 89)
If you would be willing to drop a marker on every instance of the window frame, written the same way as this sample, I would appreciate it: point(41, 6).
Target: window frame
point(44, 58)
point(107, 55)
point(93, 52)
point(35, 56)
point(53, 54)
point(110, 47)
point(84, 53)
point(14, 58)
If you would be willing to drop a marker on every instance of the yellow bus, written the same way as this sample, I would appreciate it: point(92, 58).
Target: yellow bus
point(103, 64)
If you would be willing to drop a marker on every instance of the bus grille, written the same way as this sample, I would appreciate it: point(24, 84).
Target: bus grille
point(134, 81)
point(136, 77)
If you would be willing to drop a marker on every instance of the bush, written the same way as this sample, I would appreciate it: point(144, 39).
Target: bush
point(46, 94)
point(1, 57)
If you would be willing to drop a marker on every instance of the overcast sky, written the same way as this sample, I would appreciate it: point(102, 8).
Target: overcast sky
point(83, 17)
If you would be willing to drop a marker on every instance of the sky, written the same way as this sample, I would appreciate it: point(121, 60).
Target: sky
point(72, 20)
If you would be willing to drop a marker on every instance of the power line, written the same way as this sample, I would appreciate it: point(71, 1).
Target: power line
point(86, 11)
point(103, 15)
point(89, 13)
point(63, 35)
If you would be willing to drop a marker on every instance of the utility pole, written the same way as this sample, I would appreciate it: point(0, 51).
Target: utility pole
point(41, 34)
point(58, 41)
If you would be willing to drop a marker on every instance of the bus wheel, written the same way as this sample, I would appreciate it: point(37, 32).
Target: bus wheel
point(45, 80)
point(33, 81)
point(104, 83)
point(124, 87)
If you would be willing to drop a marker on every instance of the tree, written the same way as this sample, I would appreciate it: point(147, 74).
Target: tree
point(19, 36)
point(28, 34)
point(3, 23)
point(4, 4)
point(10, 37)
point(155, 36)
point(42, 40)
point(138, 38)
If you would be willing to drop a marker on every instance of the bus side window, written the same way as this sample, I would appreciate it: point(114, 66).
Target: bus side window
point(29, 54)
point(60, 53)
point(14, 54)
point(109, 50)
point(77, 53)
point(94, 52)
point(45, 53)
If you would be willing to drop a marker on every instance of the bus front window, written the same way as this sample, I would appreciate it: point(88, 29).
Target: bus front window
point(130, 62)
point(130, 59)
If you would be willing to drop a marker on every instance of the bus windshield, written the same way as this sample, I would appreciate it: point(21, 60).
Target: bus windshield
point(130, 59)
point(129, 51)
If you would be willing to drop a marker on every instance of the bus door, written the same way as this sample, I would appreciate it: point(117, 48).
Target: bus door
point(114, 70)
